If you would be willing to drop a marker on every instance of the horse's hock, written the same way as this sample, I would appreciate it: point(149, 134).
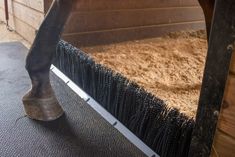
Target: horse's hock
point(115, 33)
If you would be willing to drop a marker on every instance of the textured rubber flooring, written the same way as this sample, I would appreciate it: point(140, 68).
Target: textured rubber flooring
point(79, 133)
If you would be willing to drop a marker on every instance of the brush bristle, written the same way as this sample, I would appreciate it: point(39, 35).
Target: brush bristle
point(164, 129)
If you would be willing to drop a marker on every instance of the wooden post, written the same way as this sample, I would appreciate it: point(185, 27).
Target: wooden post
point(221, 45)
point(224, 141)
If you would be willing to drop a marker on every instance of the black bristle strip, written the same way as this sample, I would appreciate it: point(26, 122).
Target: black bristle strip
point(76, 70)
point(72, 65)
point(61, 58)
point(136, 119)
point(109, 89)
point(96, 73)
point(112, 94)
point(165, 130)
point(83, 70)
point(101, 87)
point(117, 95)
point(122, 98)
point(105, 87)
point(89, 68)
point(127, 105)
point(154, 111)
point(93, 81)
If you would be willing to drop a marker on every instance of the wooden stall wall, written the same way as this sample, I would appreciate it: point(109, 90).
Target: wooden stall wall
point(224, 141)
point(106, 21)
point(25, 16)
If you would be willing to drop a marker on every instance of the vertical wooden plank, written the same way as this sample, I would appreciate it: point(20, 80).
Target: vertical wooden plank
point(223, 146)
point(227, 116)
point(224, 141)
point(215, 76)
point(232, 66)
point(47, 4)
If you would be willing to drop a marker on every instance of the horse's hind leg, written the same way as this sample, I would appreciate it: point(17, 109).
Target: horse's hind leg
point(40, 102)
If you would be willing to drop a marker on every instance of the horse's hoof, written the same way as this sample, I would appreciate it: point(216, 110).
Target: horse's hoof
point(44, 109)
